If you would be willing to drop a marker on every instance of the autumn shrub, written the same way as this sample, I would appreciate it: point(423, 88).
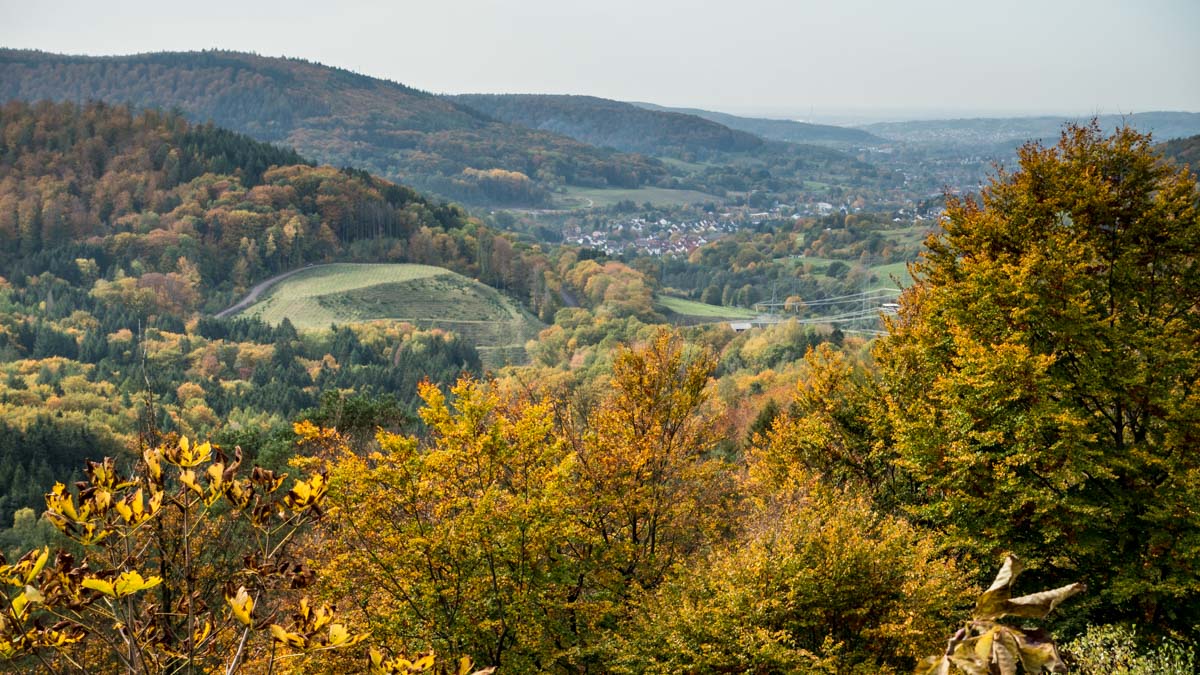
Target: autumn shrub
point(186, 564)
point(819, 583)
point(461, 541)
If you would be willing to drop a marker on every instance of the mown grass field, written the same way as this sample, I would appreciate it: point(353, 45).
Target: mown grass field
point(585, 197)
point(692, 308)
point(425, 296)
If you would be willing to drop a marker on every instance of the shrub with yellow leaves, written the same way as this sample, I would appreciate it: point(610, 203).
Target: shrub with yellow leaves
point(186, 564)
point(421, 663)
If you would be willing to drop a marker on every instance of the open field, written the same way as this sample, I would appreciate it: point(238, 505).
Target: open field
point(883, 273)
point(693, 308)
point(425, 296)
point(911, 236)
point(586, 197)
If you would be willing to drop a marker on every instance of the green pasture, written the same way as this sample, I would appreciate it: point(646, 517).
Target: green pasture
point(425, 296)
point(692, 308)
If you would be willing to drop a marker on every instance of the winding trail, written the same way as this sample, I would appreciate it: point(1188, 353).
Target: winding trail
point(258, 289)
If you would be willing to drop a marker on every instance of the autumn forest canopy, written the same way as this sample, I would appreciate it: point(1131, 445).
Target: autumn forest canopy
point(510, 452)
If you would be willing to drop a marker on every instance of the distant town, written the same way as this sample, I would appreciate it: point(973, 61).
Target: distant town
point(670, 236)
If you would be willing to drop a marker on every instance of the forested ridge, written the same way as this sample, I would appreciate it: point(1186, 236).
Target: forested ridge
point(335, 117)
point(151, 192)
point(787, 130)
point(727, 159)
point(121, 230)
point(614, 124)
point(639, 497)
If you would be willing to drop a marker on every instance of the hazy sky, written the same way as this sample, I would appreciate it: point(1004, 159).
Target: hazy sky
point(883, 59)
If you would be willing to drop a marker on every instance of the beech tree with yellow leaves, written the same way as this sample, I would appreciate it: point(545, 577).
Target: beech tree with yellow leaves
point(517, 535)
point(461, 542)
point(818, 582)
point(647, 490)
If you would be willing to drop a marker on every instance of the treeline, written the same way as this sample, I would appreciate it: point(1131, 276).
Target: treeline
point(34, 457)
point(1183, 151)
point(80, 377)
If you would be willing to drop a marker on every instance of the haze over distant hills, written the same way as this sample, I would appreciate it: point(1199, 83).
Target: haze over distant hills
point(535, 150)
point(338, 117)
point(1164, 126)
point(790, 131)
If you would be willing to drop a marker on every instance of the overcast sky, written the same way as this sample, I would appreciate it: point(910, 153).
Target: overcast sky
point(830, 59)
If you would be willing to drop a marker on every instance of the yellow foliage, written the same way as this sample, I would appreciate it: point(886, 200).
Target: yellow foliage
point(165, 518)
point(128, 583)
point(466, 530)
point(818, 582)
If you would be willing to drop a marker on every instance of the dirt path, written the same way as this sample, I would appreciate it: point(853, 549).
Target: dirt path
point(258, 289)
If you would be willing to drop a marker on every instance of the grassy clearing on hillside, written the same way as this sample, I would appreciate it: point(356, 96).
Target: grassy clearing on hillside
point(296, 297)
point(884, 274)
point(585, 197)
point(441, 297)
point(911, 236)
point(693, 308)
point(425, 296)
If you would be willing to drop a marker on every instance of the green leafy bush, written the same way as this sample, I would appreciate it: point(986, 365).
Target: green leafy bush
point(1117, 650)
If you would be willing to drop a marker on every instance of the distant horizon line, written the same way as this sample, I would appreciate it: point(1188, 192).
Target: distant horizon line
point(836, 115)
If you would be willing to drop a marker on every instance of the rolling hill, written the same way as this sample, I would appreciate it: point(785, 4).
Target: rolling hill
point(706, 156)
point(614, 124)
point(423, 295)
point(337, 117)
point(789, 131)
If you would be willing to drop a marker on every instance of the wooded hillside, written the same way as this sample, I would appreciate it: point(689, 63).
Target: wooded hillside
point(335, 117)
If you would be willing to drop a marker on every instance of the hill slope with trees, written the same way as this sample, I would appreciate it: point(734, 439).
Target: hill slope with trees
point(614, 124)
point(789, 131)
point(714, 158)
point(1183, 151)
point(636, 500)
point(336, 117)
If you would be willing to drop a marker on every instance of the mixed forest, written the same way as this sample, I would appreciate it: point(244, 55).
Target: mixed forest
point(636, 493)
point(337, 117)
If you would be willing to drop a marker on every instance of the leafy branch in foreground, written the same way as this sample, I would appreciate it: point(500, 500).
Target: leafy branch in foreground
point(985, 647)
point(184, 564)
